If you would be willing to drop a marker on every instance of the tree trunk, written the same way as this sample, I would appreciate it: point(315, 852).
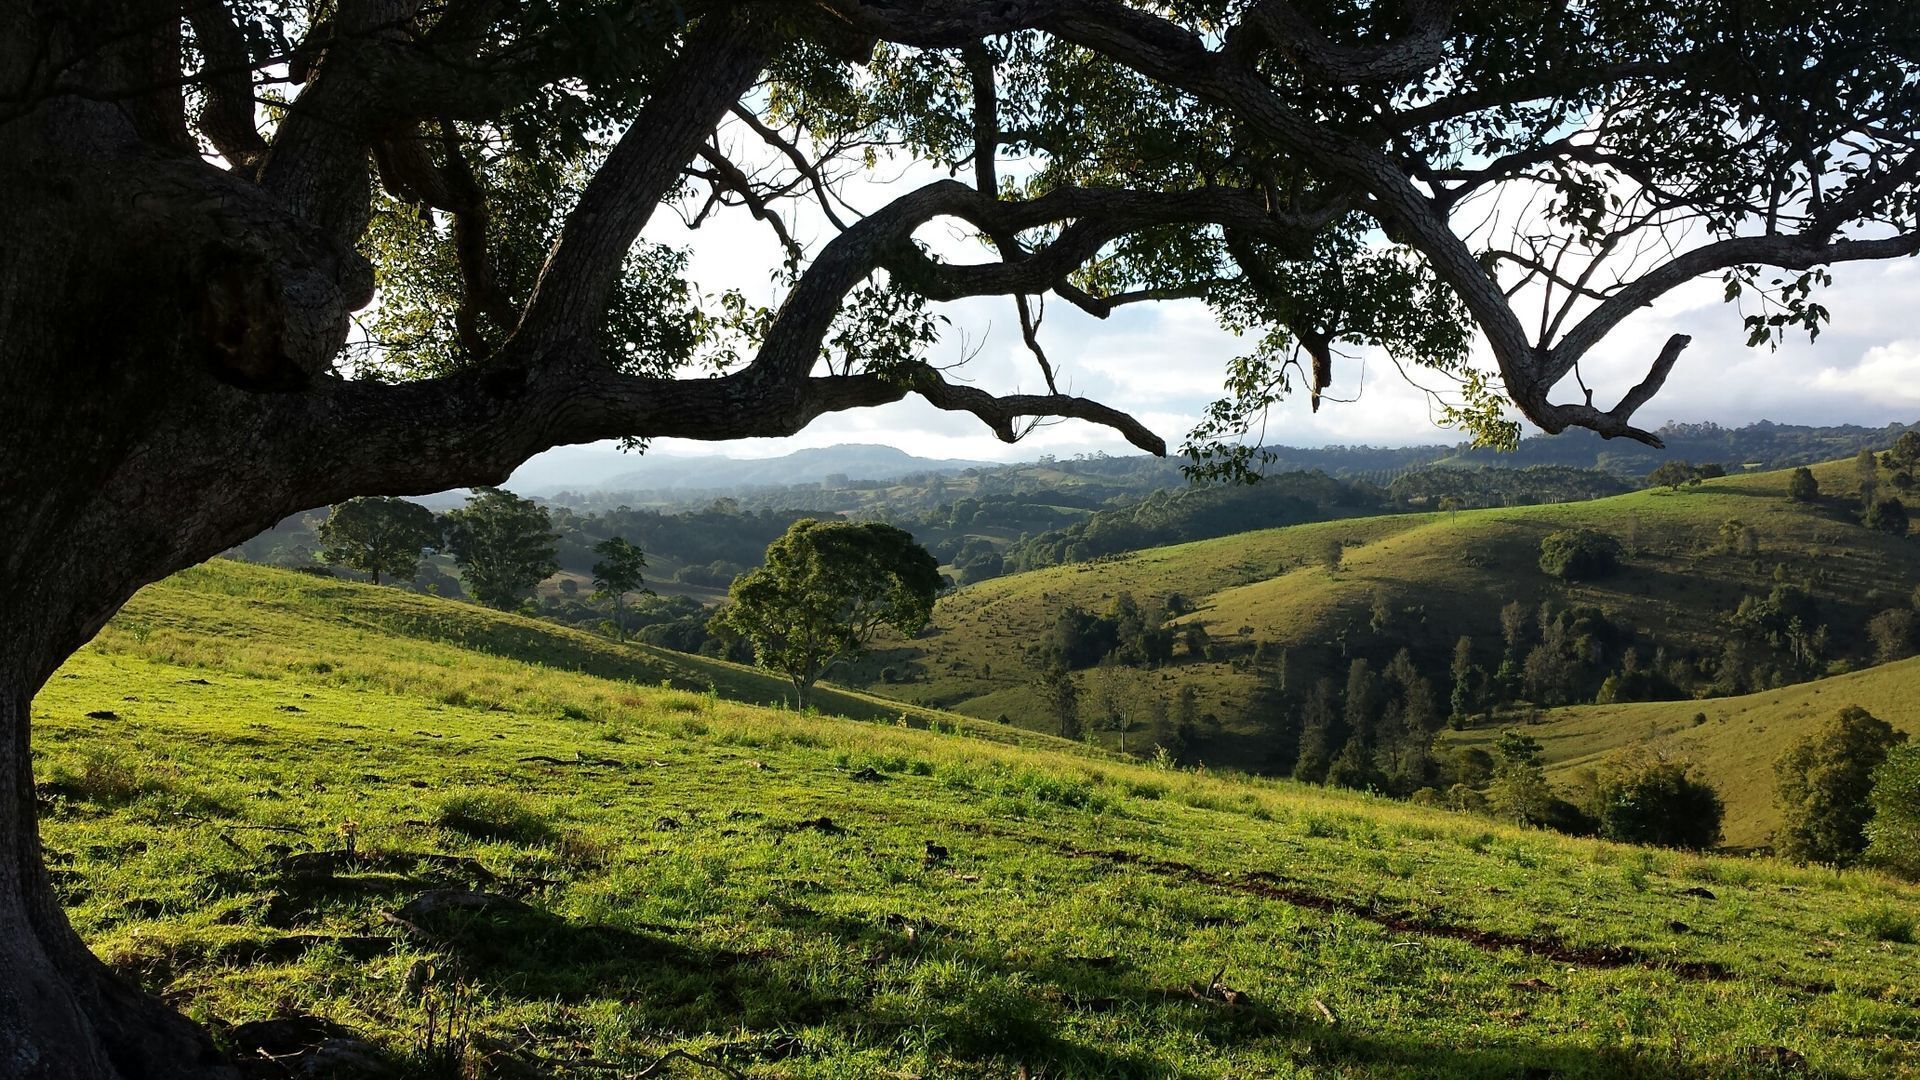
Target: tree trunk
point(168, 334)
point(63, 1015)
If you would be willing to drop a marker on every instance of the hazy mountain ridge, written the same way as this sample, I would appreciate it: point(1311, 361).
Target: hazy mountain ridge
point(582, 477)
point(718, 472)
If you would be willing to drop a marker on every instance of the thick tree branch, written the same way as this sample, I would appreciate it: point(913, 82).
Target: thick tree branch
point(883, 240)
point(226, 117)
point(1281, 26)
point(719, 62)
point(1784, 252)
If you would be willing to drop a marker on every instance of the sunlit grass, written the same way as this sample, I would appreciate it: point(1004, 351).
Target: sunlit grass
point(1076, 915)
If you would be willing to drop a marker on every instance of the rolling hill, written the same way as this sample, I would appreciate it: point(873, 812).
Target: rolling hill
point(1734, 740)
point(456, 843)
point(1435, 577)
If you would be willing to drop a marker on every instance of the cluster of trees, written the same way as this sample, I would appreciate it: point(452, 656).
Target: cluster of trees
point(504, 546)
point(1453, 488)
point(1674, 475)
point(1580, 554)
point(1377, 732)
point(1850, 793)
point(1887, 514)
point(1125, 633)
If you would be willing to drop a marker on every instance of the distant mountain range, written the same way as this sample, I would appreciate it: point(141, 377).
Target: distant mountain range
point(580, 469)
point(584, 471)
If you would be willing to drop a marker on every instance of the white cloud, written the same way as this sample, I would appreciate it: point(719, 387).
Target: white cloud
point(1886, 371)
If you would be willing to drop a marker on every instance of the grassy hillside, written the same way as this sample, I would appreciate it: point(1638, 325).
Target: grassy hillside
point(465, 656)
point(640, 871)
point(1441, 575)
point(1737, 742)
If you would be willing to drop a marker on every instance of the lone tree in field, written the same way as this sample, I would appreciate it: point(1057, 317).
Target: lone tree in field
point(1802, 485)
point(1061, 697)
point(504, 545)
point(1893, 833)
point(200, 198)
point(827, 588)
point(1673, 476)
point(1332, 551)
point(1579, 554)
point(379, 536)
point(1646, 799)
point(619, 572)
point(1887, 516)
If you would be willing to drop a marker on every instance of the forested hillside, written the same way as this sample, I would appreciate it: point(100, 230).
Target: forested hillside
point(1228, 648)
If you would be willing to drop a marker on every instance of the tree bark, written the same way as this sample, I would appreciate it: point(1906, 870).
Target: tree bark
point(63, 1015)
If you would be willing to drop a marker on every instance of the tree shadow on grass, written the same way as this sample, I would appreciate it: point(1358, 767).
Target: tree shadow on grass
point(964, 999)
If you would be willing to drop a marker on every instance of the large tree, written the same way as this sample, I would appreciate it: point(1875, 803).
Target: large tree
point(504, 545)
point(620, 570)
point(827, 588)
point(380, 536)
point(1822, 786)
point(201, 196)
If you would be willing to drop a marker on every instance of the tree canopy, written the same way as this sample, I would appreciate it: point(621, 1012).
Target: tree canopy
point(380, 537)
point(503, 544)
point(1823, 783)
point(827, 588)
point(619, 571)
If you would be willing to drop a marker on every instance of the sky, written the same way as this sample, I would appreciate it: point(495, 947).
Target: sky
point(1164, 362)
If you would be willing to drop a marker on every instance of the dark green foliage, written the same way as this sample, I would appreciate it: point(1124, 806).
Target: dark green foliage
point(1469, 681)
point(1893, 835)
point(1892, 633)
point(1354, 767)
point(1332, 552)
point(1867, 468)
point(619, 572)
point(1579, 554)
point(826, 589)
point(1270, 710)
point(1801, 485)
point(1673, 476)
point(378, 536)
point(1062, 698)
point(1823, 784)
point(1452, 489)
point(1905, 452)
point(1644, 799)
point(1130, 635)
point(1642, 684)
point(1519, 793)
point(1173, 514)
point(1321, 734)
point(1361, 701)
point(1887, 516)
point(503, 544)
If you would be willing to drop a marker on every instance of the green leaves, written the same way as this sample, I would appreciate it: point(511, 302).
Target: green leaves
point(504, 545)
point(378, 536)
point(826, 589)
